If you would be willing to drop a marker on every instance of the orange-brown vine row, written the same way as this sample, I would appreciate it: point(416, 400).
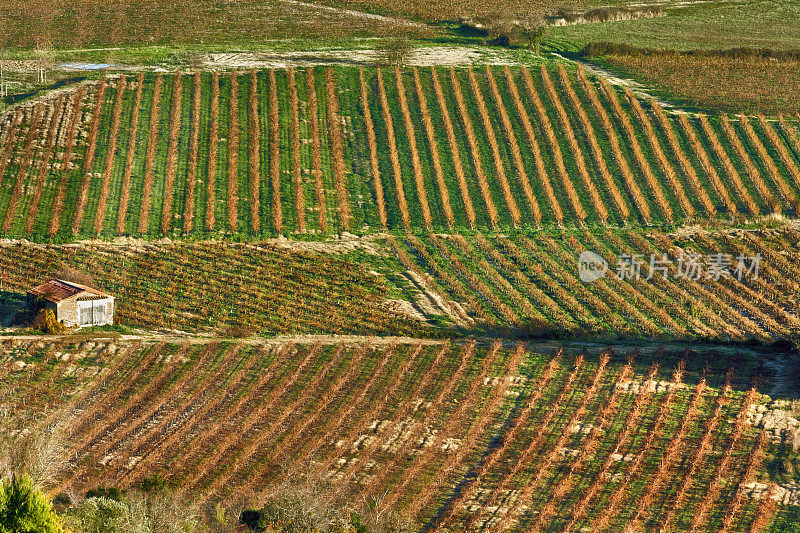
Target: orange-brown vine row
point(393, 155)
point(316, 158)
point(575, 149)
point(58, 203)
point(233, 155)
point(434, 149)
point(500, 170)
point(458, 167)
point(299, 192)
point(558, 156)
point(88, 160)
point(373, 151)
point(172, 152)
point(213, 143)
point(191, 173)
point(473, 145)
point(100, 215)
point(416, 165)
point(337, 147)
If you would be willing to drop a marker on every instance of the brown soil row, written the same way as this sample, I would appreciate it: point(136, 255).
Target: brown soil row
point(373, 152)
point(22, 172)
point(337, 147)
point(44, 164)
point(458, 168)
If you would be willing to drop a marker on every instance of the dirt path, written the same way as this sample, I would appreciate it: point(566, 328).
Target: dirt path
point(358, 14)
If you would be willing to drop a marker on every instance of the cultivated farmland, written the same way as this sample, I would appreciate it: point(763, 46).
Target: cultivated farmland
point(519, 285)
point(530, 283)
point(490, 298)
point(493, 436)
point(360, 150)
point(261, 289)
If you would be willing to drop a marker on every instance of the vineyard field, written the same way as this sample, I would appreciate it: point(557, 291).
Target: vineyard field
point(251, 289)
point(524, 284)
point(529, 284)
point(490, 435)
point(327, 150)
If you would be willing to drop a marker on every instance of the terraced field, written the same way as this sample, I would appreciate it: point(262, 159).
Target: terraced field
point(452, 435)
point(720, 286)
point(328, 150)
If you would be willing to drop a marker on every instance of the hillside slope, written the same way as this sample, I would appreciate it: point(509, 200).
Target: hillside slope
point(328, 150)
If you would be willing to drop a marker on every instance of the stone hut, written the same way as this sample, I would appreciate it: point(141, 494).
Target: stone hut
point(73, 304)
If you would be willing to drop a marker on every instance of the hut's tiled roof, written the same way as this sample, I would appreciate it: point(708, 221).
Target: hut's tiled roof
point(57, 290)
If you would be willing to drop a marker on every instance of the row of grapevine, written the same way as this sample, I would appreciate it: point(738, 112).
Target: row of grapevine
point(27, 156)
point(575, 149)
point(45, 162)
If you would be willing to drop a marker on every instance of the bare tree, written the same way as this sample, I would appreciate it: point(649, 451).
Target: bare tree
point(45, 55)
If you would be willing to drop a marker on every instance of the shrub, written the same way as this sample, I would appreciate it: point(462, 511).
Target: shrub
point(99, 514)
point(23, 509)
point(153, 485)
point(111, 493)
point(135, 512)
point(602, 48)
point(62, 501)
point(45, 321)
point(395, 51)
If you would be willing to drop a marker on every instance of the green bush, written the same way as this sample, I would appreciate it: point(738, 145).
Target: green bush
point(46, 322)
point(23, 509)
point(112, 493)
